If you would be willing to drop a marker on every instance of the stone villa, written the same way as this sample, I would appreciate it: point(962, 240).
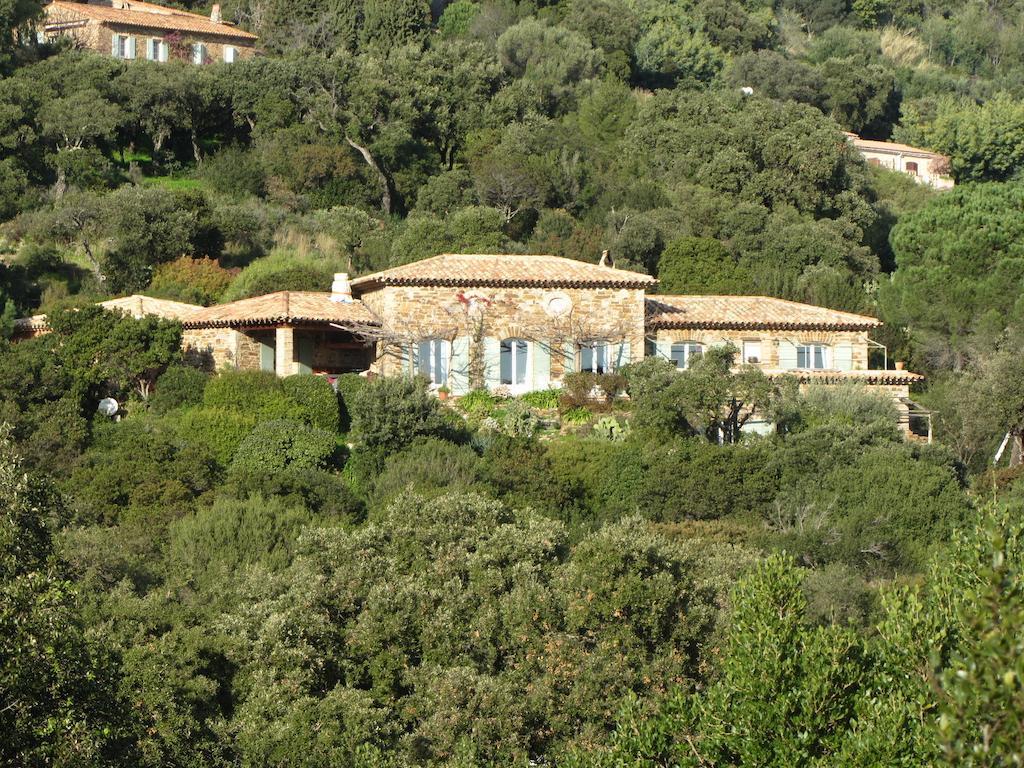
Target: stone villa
point(517, 323)
point(925, 166)
point(128, 29)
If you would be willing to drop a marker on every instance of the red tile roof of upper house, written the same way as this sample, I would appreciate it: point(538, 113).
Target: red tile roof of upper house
point(504, 270)
point(139, 14)
point(136, 305)
point(749, 312)
point(889, 146)
point(283, 308)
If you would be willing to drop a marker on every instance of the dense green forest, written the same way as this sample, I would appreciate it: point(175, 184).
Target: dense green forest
point(246, 571)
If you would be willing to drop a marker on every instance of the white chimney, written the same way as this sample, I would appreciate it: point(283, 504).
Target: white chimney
point(215, 16)
point(341, 288)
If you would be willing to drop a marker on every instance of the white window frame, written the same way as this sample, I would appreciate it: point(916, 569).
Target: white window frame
point(520, 367)
point(156, 49)
point(752, 352)
point(198, 53)
point(810, 353)
point(438, 365)
point(683, 353)
point(230, 54)
point(122, 46)
point(598, 349)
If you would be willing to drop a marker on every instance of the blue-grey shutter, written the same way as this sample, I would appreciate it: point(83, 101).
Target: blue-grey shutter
point(458, 378)
point(492, 362)
point(843, 357)
point(114, 50)
point(541, 365)
point(305, 346)
point(267, 355)
point(664, 349)
point(130, 48)
point(787, 355)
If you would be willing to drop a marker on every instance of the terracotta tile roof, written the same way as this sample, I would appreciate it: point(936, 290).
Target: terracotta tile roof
point(504, 270)
point(150, 16)
point(838, 377)
point(283, 308)
point(135, 305)
point(138, 305)
point(890, 146)
point(748, 313)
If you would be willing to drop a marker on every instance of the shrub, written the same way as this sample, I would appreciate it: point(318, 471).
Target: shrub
point(283, 271)
point(542, 399)
point(317, 398)
point(349, 385)
point(323, 493)
point(179, 386)
point(427, 466)
point(479, 403)
point(577, 389)
point(219, 429)
point(233, 171)
point(519, 472)
point(390, 412)
point(197, 281)
point(231, 534)
point(577, 415)
point(518, 420)
point(259, 394)
point(275, 445)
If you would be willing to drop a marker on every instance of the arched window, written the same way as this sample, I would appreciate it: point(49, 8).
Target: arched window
point(812, 356)
point(911, 168)
point(595, 356)
point(515, 354)
point(685, 352)
point(432, 356)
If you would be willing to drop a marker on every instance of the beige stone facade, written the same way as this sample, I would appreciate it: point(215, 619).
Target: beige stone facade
point(199, 43)
point(847, 350)
point(474, 321)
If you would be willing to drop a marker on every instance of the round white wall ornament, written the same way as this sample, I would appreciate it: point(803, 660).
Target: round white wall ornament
point(557, 304)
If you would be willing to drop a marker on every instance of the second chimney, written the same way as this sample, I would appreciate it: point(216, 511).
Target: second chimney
point(215, 16)
point(341, 288)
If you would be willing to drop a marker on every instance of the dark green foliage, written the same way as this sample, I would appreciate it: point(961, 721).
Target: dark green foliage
point(139, 469)
point(491, 614)
point(349, 385)
point(180, 386)
point(281, 271)
point(220, 430)
point(281, 444)
point(257, 394)
point(324, 493)
point(388, 413)
point(429, 466)
point(232, 534)
point(62, 702)
point(316, 396)
point(700, 265)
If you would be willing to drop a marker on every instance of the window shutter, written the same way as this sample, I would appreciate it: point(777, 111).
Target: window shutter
point(267, 362)
point(492, 362)
point(663, 349)
point(458, 379)
point(569, 357)
point(164, 50)
point(130, 48)
point(787, 355)
point(115, 49)
point(620, 355)
point(541, 364)
point(843, 357)
point(305, 346)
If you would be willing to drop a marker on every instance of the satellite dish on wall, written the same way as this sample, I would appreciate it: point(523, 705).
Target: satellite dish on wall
point(108, 407)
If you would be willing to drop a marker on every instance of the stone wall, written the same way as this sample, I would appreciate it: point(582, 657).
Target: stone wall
point(769, 341)
point(214, 348)
point(551, 316)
